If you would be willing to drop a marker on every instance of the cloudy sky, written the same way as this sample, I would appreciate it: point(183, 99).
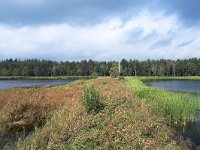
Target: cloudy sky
point(99, 29)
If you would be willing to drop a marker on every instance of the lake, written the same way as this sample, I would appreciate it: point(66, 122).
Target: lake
point(192, 129)
point(6, 84)
point(177, 85)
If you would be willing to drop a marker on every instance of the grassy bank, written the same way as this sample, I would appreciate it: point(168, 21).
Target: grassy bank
point(45, 77)
point(125, 122)
point(145, 78)
point(175, 106)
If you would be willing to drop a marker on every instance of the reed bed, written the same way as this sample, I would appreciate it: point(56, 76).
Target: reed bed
point(177, 107)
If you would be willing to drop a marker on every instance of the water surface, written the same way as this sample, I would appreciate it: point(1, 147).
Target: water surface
point(177, 85)
point(6, 84)
point(192, 129)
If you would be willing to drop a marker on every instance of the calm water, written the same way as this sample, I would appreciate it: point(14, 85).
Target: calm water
point(5, 84)
point(178, 85)
point(192, 129)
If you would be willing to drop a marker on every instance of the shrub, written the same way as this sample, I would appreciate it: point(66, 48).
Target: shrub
point(121, 78)
point(94, 74)
point(91, 100)
point(114, 71)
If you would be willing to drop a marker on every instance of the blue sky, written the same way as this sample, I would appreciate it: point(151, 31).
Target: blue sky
point(99, 29)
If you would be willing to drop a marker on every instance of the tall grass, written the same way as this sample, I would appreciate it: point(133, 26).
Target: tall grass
point(145, 78)
point(175, 106)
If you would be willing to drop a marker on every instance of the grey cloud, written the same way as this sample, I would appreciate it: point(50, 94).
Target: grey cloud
point(34, 12)
point(58, 11)
point(187, 10)
point(134, 35)
point(186, 43)
point(161, 43)
point(150, 36)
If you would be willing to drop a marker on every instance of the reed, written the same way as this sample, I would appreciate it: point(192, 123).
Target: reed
point(175, 106)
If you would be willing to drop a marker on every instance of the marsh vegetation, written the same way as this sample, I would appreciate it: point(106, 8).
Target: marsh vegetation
point(62, 122)
point(179, 109)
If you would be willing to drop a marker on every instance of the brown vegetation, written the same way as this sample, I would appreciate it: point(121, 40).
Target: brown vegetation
point(126, 122)
point(25, 108)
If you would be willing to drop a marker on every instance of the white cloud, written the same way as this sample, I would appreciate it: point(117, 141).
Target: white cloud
point(109, 40)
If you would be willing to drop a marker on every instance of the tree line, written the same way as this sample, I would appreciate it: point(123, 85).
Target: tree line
point(161, 67)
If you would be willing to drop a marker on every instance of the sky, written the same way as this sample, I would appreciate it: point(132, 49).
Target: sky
point(74, 30)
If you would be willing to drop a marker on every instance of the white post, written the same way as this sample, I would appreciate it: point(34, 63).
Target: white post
point(119, 69)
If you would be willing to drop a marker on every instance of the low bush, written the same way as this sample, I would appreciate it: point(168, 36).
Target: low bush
point(91, 100)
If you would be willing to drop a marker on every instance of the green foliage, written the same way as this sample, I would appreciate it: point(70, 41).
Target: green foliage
point(162, 67)
point(174, 106)
point(121, 78)
point(94, 74)
point(25, 71)
point(114, 72)
point(4, 72)
point(92, 100)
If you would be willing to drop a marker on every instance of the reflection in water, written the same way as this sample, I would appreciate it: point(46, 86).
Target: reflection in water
point(7, 139)
point(178, 85)
point(192, 129)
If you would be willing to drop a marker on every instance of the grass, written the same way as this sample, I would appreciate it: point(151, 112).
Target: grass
point(151, 78)
point(176, 107)
point(126, 122)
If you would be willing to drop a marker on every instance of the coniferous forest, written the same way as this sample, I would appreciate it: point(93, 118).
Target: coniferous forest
point(162, 67)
